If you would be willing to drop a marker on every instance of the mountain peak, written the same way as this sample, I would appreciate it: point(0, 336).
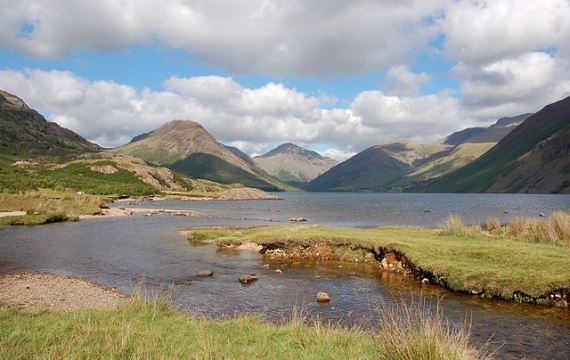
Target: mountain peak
point(290, 148)
point(293, 163)
point(12, 101)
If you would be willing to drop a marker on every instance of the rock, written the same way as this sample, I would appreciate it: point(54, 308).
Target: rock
point(279, 271)
point(425, 281)
point(250, 247)
point(205, 273)
point(541, 214)
point(297, 219)
point(266, 266)
point(323, 297)
point(247, 278)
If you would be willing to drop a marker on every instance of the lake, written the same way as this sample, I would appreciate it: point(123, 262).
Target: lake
point(125, 252)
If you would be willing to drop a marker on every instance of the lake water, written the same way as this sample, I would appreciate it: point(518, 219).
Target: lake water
point(123, 252)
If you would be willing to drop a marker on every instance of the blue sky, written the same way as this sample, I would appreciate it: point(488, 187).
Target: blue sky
point(333, 75)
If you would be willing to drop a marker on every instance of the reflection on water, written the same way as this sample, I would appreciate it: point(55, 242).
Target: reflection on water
point(123, 252)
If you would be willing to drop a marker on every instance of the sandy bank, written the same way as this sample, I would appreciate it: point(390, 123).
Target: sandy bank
point(38, 291)
point(12, 213)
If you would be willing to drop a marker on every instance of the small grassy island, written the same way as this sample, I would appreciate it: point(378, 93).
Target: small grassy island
point(525, 261)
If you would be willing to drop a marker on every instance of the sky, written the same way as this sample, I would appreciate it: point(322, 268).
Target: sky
point(335, 76)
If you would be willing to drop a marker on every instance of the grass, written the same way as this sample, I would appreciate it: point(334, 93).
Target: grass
point(76, 176)
point(151, 330)
point(416, 331)
point(496, 266)
point(47, 206)
point(553, 230)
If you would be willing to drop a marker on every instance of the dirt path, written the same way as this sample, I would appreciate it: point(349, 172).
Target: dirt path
point(36, 291)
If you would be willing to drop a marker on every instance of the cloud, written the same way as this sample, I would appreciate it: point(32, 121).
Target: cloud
point(338, 155)
point(486, 31)
point(513, 85)
point(401, 81)
point(417, 118)
point(251, 118)
point(269, 36)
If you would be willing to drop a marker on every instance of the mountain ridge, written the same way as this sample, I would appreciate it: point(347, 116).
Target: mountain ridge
point(26, 132)
point(546, 130)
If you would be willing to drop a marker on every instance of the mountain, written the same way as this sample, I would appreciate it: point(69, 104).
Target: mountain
point(403, 165)
point(185, 146)
point(534, 157)
point(24, 131)
point(466, 146)
point(374, 169)
point(294, 164)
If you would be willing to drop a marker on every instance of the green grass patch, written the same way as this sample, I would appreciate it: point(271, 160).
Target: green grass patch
point(46, 206)
point(76, 176)
point(500, 266)
point(150, 330)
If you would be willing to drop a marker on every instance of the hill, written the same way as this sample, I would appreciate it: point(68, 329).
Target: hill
point(185, 146)
point(377, 168)
point(26, 132)
point(534, 157)
point(293, 164)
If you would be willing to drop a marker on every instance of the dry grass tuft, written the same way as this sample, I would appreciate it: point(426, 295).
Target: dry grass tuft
point(419, 331)
point(554, 230)
point(493, 225)
point(454, 226)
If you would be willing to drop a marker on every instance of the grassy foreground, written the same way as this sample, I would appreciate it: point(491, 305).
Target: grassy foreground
point(150, 330)
point(470, 262)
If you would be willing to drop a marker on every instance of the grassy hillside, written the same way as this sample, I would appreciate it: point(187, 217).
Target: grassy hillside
point(188, 148)
point(210, 167)
point(377, 168)
point(509, 153)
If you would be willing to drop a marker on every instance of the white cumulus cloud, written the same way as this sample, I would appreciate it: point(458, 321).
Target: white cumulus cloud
point(251, 118)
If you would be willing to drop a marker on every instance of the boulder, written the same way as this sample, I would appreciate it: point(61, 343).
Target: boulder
point(247, 278)
point(323, 297)
point(205, 273)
